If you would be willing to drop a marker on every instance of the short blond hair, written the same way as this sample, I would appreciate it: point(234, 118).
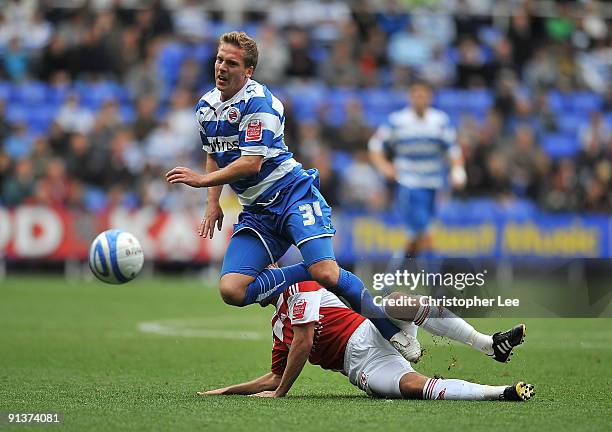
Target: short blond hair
point(245, 43)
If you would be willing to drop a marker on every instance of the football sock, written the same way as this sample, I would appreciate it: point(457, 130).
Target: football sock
point(454, 389)
point(352, 289)
point(442, 322)
point(272, 282)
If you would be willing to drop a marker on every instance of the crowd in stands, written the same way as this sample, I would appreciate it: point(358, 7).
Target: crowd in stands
point(97, 101)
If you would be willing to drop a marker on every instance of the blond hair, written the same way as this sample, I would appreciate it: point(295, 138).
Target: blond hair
point(245, 43)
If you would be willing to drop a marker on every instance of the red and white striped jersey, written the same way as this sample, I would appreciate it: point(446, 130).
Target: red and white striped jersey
point(308, 302)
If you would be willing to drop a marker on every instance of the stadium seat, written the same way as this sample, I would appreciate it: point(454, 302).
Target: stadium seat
point(5, 90)
point(169, 62)
point(586, 102)
point(570, 123)
point(29, 92)
point(560, 145)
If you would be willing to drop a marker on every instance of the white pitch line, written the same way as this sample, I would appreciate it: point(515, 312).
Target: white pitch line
point(182, 329)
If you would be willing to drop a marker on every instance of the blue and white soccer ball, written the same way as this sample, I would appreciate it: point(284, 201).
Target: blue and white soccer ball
point(115, 257)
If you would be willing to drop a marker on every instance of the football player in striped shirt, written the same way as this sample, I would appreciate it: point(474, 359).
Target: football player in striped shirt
point(312, 324)
point(241, 126)
point(411, 149)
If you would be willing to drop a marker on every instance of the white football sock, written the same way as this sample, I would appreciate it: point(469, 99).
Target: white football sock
point(454, 389)
point(442, 322)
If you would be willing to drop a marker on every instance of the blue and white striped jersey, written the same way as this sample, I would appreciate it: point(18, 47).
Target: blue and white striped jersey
point(419, 146)
point(250, 123)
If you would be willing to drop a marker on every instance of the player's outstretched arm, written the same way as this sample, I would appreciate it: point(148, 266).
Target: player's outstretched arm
point(303, 337)
point(213, 213)
point(266, 382)
point(244, 166)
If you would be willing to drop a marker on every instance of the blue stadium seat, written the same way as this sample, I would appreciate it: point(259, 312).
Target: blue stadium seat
point(578, 102)
point(57, 95)
point(29, 92)
point(94, 95)
point(39, 118)
point(448, 99)
point(5, 90)
point(127, 113)
point(560, 145)
point(170, 59)
point(570, 123)
point(586, 102)
point(16, 113)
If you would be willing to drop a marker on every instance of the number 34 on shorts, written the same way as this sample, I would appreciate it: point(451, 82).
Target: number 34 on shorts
point(310, 218)
point(309, 211)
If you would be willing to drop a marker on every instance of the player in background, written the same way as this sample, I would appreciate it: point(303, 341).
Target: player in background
point(241, 126)
point(411, 149)
point(311, 323)
point(418, 139)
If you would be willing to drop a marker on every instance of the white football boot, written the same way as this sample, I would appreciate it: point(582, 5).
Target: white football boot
point(408, 346)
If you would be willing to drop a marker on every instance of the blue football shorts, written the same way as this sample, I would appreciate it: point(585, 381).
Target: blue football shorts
point(299, 216)
point(417, 208)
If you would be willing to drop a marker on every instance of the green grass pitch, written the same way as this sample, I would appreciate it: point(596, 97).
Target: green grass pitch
point(132, 357)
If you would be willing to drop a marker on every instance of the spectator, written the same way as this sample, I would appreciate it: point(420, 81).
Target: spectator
point(300, 63)
point(15, 61)
point(273, 56)
point(21, 186)
point(72, 117)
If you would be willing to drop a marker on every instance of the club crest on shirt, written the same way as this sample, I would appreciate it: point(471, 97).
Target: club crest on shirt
point(254, 131)
point(233, 115)
point(299, 309)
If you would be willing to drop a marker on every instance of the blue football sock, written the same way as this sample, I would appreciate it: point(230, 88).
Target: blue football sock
point(352, 289)
point(272, 282)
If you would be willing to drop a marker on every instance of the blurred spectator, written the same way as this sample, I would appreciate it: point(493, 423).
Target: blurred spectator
point(527, 163)
point(55, 58)
point(597, 130)
point(471, 67)
point(41, 155)
point(53, 187)
point(328, 177)
point(17, 188)
point(146, 117)
point(409, 48)
point(540, 71)
point(18, 144)
point(143, 79)
point(362, 185)
point(300, 63)
point(560, 189)
point(340, 69)
point(82, 162)
point(15, 61)
point(72, 117)
point(182, 124)
point(273, 56)
point(191, 22)
point(521, 37)
point(5, 127)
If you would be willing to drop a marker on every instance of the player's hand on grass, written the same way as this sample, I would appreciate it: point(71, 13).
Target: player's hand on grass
point(186, 176)
point(213, 215)
point(267, 394)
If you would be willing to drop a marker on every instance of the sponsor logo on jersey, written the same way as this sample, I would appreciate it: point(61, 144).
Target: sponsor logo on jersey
point(254, 131)
point(222, 145)
point(233, 115)
point(299, 309)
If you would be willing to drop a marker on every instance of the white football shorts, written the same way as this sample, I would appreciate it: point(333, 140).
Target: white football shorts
point(372, 364)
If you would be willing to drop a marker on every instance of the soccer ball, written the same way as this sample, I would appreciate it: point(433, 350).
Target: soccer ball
point(115, 257)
